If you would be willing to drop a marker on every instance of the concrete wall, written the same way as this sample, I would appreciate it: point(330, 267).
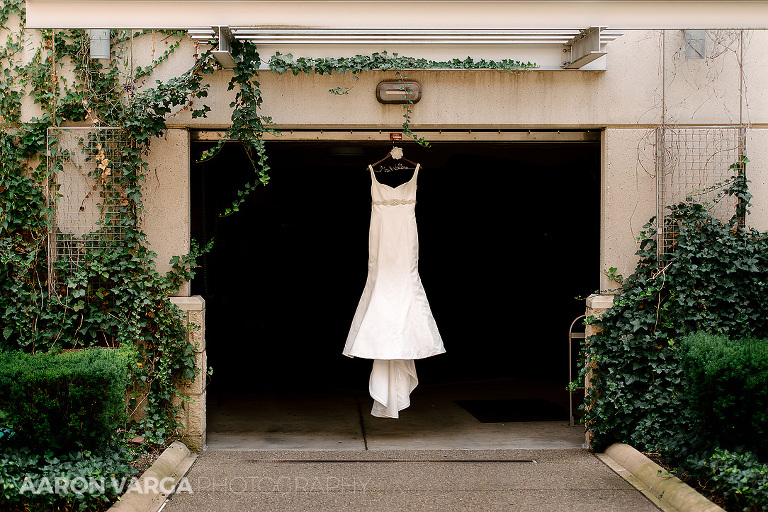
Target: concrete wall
point(648, 82)
point(456, 98)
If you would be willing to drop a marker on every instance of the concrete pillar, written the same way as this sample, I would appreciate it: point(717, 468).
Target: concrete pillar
point(166, 194)
point(192, 416)
point(757, 174)
point(628, 197)
point(597, 304)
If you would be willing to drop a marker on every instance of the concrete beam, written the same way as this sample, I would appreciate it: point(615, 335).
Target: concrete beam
point(181, 14)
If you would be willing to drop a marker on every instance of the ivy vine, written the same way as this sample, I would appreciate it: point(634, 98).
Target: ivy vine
point(248, 124)
point(714, 279)
point(115, 296)
point(382, 61)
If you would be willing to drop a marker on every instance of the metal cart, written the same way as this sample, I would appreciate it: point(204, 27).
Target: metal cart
point(571, 337)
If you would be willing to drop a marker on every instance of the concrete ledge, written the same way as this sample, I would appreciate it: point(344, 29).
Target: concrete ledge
point(601, 301)
point(665, 490)
point(149, 492)
point(189, 303)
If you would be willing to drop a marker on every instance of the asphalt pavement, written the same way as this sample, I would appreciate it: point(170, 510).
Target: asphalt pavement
point(404, 480)
point(325, 452)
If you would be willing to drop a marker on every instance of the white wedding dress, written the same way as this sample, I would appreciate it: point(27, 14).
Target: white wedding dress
point(393, 323)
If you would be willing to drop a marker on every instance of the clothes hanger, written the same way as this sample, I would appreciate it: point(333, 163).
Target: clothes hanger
point(395, 154)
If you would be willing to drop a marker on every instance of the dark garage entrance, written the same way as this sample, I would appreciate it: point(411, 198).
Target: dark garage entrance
point(509, 248)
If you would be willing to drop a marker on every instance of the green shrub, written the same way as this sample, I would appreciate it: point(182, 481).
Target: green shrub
point(67, 401)
point(727, 390)
point(78, 480)
point(739, 477)
point(714, 278)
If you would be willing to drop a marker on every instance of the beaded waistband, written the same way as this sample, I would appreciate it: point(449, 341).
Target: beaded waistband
point(394, 202)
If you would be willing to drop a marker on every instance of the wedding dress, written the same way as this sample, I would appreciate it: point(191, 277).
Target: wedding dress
point(393, 323)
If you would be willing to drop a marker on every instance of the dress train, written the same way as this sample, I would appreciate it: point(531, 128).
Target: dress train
point(390, 386)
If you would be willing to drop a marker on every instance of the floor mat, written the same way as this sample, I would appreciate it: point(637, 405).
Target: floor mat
point(511, 410)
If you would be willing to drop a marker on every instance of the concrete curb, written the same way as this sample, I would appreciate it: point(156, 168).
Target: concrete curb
point(149, 492)
point(665, 490)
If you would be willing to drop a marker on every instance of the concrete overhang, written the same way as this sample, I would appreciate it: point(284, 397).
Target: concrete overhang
point(420, 14)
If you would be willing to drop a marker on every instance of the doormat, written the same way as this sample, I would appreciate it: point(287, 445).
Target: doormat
point(511, 410)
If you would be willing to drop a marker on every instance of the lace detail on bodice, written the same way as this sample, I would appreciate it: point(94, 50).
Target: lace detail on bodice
point(395, 202)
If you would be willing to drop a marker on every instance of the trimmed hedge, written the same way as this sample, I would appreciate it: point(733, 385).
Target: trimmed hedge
point(727, 390)
point(66, 401)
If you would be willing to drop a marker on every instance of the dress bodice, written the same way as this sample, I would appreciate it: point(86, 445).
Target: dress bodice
point(385, 195)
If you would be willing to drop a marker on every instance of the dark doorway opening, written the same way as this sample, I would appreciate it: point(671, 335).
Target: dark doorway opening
point(509, 249)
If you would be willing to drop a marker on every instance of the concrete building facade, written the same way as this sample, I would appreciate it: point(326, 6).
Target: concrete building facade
point(582, 143)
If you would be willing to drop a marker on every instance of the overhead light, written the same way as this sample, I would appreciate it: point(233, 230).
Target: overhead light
point(224, 52)
point(99, 43)
point(398, 91)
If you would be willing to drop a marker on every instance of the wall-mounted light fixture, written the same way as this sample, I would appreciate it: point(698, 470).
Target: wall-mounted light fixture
point(397, 91)
point(99, 43)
